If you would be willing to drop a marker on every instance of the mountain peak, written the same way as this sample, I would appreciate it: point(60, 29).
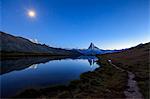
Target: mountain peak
point(92, 46)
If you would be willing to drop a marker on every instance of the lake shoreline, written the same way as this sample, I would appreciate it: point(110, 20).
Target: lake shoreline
point(95, 83)
point(39, 72)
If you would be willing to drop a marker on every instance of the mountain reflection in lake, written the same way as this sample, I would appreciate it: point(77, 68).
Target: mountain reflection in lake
point(20, 74)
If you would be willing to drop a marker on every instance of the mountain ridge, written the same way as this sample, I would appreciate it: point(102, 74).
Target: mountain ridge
point(92, 47)
point(94, 50)
point(14, 44)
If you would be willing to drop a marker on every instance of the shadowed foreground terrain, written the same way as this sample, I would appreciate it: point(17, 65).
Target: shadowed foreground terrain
point(136, 60)
point(106, 81)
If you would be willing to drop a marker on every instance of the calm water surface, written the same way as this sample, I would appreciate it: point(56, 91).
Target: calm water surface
point(20, 74)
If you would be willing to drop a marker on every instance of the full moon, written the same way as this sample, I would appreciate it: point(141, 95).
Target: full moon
point(31, 13)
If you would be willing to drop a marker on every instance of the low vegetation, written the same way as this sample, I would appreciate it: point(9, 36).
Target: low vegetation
point(136, 60)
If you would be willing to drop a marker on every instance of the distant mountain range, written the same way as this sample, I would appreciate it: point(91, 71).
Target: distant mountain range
point(93, 50)
point(13, 45)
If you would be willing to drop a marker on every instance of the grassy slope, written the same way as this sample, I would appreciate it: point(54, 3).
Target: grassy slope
point(135, 60)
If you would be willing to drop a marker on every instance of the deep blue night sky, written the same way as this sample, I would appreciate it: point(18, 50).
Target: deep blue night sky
point(109, 24)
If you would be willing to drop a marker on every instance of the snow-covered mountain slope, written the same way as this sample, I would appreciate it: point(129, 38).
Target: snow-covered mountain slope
point(93, 50)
